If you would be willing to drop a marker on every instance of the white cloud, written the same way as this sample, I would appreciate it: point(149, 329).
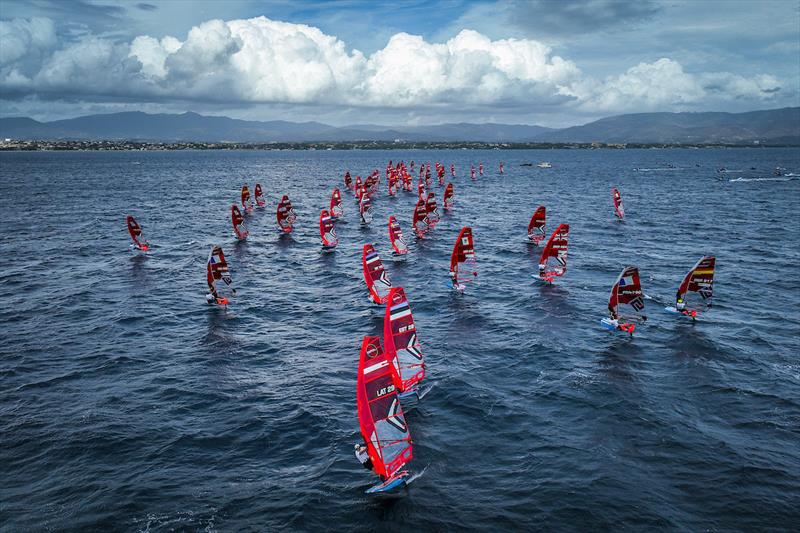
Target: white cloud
point(664, 85)
point(260, 60)
point(21, 38)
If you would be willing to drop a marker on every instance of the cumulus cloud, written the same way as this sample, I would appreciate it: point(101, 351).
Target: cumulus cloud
point(664, 84)
point(260, 60)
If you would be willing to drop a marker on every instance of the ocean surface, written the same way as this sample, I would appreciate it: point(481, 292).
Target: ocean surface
point(128, 404)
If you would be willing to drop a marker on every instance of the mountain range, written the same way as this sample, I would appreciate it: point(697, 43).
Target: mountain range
point(774, 126)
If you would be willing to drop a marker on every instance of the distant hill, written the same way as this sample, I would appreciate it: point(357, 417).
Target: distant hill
point(777, 125)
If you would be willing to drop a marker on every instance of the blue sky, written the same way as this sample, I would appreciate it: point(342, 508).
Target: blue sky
point(545, 62)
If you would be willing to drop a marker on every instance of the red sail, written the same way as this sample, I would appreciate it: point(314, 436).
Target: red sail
point(449, 200)
point(217, 269)
point(697, 288)
point(402, 346)
point(336, 204)
point(327, 232)
point(536, 225)
point(380, 416)
point(239, 227)
point(399, 246)
point(285, 215)
point(432, 210)
point(139, 242)
point(462, 260)
point(619, 210)
point(626, 301)
point(247, 202)
point(374, 274)
point(420, 219)
point(553, 262)
point(260, 200)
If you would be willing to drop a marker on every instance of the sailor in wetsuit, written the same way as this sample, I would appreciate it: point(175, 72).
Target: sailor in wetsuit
point(363, 456)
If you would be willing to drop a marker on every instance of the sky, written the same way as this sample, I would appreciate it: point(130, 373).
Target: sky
point(405, 62)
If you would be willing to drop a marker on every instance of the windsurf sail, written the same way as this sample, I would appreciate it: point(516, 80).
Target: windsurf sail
point(536, 225)
point(139, 242)
point(239, 227)
point(402, 345)
point(348, 181)
point(462, 260)
point(327, 232)
point(627, 302)
point(420, 190)
point(365, 210)
point(399, 246)
point(247, 201)
point(696, 291)
point(432, 209)
point(217, 269)
point(553, 261)
point(260, 200)
point(619, 210)
point(336, 204)
point(285, 215)
point(374, 274)
point(359, 183)
point(380, 415)
point(420, 219)
point(449, 197)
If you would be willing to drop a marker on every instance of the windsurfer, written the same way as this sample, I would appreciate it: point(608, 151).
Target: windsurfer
point(363, 457)
point(454, 279)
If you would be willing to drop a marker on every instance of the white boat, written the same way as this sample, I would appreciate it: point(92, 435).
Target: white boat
point(545, 164)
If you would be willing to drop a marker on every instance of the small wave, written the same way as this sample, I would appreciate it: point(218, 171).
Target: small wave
point(787, 177)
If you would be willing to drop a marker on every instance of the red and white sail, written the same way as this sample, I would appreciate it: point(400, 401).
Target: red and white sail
point(402, 345)
point(216, 270)
point(399, 246)
point(327, 231)
point(432, 209)
point(627, 301)
point(463, 265)
point(536, 225)
point(375, 275)
point(336, 204)
point(696, 291)
point(285, 215)
point(380, 415)
point(420, 219)
point(619, 210)
point(365, 210)
point(139, 242)
point(259, 193)
point(239, 227)
point(553, 261)
point(449, 197)
point(247, 201)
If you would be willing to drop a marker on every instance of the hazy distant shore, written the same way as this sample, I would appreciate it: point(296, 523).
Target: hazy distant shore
point(117, 145)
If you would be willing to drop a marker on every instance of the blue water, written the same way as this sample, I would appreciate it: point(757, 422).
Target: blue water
point(127, 403)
